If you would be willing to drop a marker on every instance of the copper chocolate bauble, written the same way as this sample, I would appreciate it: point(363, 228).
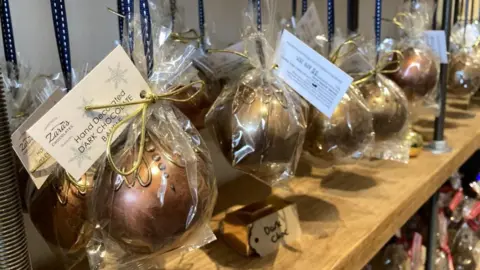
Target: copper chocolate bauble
point(463, 74)
point(197, 107)
point(154, 208)
point(389, 108)
point(59, 211)
point(255, 128)
point(417, 74)
point(343, 134)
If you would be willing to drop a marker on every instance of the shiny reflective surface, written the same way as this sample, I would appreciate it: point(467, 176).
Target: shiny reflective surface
point(417, 75)
point(348, 130)
point(416, 143)
point(59, 212)
point(156, 208)
point(388, 107)
point(259, 128)
point(463, 74)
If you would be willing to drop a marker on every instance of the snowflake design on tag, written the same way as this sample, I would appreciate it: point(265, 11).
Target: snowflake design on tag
point(84, 103)
point(79, 157)
point(117, 75)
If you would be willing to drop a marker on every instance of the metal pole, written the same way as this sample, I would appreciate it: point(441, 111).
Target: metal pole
point(439, 145)
point(434, 20)
point(294, 8)
point(432, 232)
point(472, 11)
point(456, 11)
point(352, 16)
point(465, 14)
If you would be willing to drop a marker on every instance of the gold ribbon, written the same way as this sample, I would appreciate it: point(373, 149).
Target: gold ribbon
point(244, 54)
point(147, 99)
point(380, 68)
point(398, 21)
point(186, 37)
point(350, 41)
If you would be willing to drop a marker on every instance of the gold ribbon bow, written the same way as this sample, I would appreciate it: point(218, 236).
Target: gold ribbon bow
point(337, 54)
point(380, 68)
point(399, 19)
point(147, 99)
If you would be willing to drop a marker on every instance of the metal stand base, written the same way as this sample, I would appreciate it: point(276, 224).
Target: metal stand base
point(438, 147)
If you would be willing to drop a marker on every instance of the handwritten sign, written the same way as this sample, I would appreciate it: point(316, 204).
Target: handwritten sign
point(279, 228)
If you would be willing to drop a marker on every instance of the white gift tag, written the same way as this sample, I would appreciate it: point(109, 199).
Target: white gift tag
point(279, 228)
point(29, 151)
point(309, 28)
point(437, 41)
point(314, 77)
point(76, 138)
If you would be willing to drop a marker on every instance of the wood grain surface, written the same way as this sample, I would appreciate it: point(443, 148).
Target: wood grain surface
point(347, 213)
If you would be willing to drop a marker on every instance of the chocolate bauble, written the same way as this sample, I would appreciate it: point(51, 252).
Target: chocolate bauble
point(346, 132)
point(156, 208)
point(417, 73)
point(463, 74)
point(388, 107)
point(256, 129)
point(59, 211)
point(196, 108)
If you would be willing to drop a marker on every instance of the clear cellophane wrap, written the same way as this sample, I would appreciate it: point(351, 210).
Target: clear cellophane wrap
point(344, 136)
point(258, 121)
point(384, 98)
point(164, 205)
point(419, 72)
point(24, 90)
point(464, 66)
point(176, 37)
point(59, 209)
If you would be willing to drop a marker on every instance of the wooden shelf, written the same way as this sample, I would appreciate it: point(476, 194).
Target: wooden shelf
point(347, 213)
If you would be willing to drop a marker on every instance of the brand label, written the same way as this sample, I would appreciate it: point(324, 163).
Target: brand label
point(30, 153)
point(75, 137)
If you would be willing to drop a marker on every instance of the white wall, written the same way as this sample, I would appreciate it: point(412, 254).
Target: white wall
point(93, 29)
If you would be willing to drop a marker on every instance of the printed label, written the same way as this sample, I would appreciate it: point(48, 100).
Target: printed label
point(279, 228)
point(437, 41)
point(75, 137)
point(30, 153)
point(314, 77)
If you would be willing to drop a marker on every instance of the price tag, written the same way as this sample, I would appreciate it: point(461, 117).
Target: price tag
point(309, 28)
point(76, 138)
point(437, 41)
point(29, 151)
point(279, 228)
point(227, 65)
point(314, 77)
